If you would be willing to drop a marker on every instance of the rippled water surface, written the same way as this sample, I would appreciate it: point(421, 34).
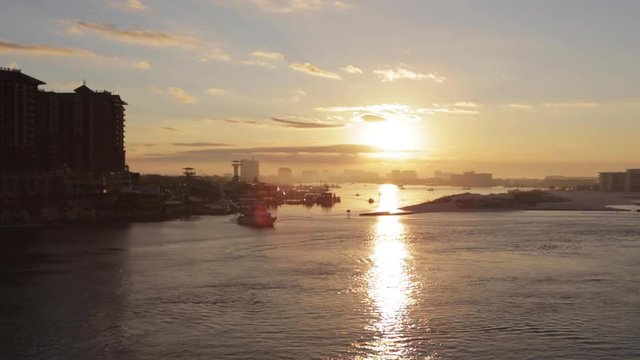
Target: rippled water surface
point(322, 285)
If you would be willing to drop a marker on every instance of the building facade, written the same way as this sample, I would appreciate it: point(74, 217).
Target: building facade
point(620, 181)
point(82, 131)
point(285, 175)
point(18, 94)
point(249, 170)
point(472, 179)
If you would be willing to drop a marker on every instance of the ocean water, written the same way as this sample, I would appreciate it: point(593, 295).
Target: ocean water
point(326, 285)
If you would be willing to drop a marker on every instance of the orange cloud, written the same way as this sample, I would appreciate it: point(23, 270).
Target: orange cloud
point(313, 70)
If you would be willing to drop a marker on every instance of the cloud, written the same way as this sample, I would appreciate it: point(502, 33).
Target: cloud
point(387, 75)
point(134, 35)
point(351, 69)
point(466, 104)
point(215, 54)
point(216, 91)
point(337, 149)
point(571, 105)
point(259, 63)
point(169, 128)
point(446, 109)
point(313, 70)
point(142, 65)
point(372, 118)
point(399, 112)
point(200, 144)
point(43, 50)
point(296, 96)
point(181, 95)
point(525, 107)
point(291, 6)
point(273, 56)
point(130, 5)
point(298, 123)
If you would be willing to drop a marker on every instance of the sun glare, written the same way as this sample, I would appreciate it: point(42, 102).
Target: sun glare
point(390, 135)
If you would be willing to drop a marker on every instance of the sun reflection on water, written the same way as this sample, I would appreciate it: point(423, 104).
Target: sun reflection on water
point(390, 289)
point(388, 198)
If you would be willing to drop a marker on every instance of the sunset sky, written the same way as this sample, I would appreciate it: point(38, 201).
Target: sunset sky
point(517, 88)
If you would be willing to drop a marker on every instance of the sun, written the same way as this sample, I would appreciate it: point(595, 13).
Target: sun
point(390, 136)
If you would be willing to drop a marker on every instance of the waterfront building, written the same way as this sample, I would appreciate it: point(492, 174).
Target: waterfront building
point(18, 93)
point(40, 131)
point(620, 181)
point(471, 178)
point(82, 130)
point(249, 170)
point(633, 180)
point(285, 175)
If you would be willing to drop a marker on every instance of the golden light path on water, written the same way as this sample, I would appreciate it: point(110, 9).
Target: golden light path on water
point(389, 282)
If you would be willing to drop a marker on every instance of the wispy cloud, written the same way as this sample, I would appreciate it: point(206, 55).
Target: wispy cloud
point(169, 128)
point(264, 59)
point(216, 91)
point(466, 104)
point(382, 112)
point(201, 144)
point(372, 118)
point(181, 95)
point(518, 106)
point(300, 123)
point(351, 69)
point(571, 105)
point(293, 122)
point(130, 5)
point(259, 63)
point(134, 35)
point(290, 6)
point(273, 56)
point(447, 109)
point(387, 75)
point(43, 50)
point(141, 65)
point(313, 70)
point(215, 54)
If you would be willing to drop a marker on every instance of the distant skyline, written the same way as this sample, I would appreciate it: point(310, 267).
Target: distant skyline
point(516, 88)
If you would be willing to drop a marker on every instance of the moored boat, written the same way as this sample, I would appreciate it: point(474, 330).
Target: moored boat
point(256, 216)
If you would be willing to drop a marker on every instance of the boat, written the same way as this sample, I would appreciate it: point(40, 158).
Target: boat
point(371, 201)
point(310, 199)
point(326, 199)
point(256, 216)
point(430, 189)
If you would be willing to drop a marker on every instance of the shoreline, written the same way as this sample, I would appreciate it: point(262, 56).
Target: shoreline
point(536, 200)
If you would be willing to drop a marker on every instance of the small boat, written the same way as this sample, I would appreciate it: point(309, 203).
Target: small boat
point(371, 201)
point(310, 199)
point(430, 189)
point(256, 216)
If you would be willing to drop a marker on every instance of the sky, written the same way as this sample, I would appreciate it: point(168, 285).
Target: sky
point(517, 88)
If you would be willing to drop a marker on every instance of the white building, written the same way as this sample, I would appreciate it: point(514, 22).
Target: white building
point(620, 181)
point(249, 170)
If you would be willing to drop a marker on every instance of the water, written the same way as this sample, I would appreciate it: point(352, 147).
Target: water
point(321, 285)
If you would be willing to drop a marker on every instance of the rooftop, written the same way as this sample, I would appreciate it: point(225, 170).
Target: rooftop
point(16, 75)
